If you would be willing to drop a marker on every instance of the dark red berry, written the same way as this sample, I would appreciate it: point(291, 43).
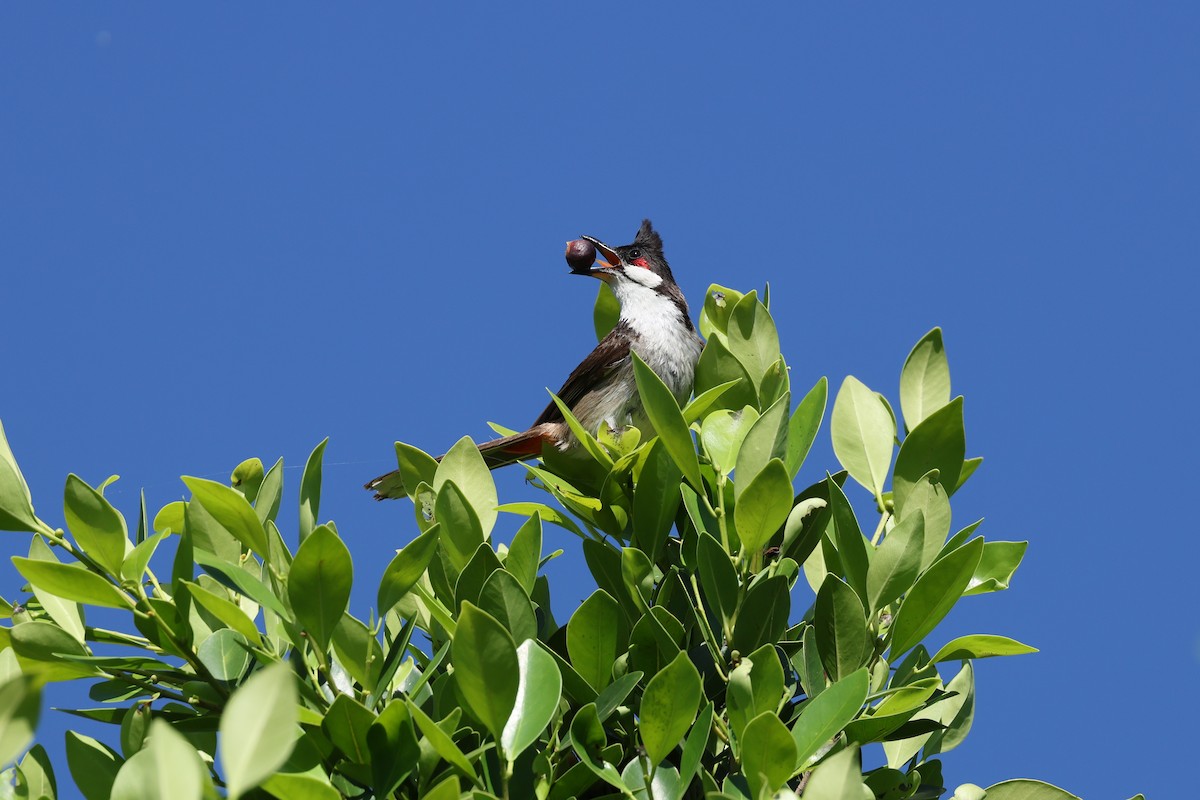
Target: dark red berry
point(581, 254)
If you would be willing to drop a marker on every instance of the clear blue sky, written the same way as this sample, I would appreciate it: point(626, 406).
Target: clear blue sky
point(233, 232)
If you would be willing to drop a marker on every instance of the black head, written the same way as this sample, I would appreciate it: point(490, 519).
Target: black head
point(644, 252)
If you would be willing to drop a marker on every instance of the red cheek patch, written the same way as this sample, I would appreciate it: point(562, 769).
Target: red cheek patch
point(640, 262)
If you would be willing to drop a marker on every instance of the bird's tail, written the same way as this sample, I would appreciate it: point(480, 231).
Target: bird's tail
point(496, 453)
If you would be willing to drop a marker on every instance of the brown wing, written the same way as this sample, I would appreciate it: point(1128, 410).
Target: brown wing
point(610, 354)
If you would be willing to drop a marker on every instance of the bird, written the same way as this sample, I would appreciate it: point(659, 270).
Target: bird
point(654, 322)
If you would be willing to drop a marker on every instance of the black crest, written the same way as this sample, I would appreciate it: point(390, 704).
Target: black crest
point(647, 237)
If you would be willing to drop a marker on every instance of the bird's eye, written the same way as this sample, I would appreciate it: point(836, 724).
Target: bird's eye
point(635, 253)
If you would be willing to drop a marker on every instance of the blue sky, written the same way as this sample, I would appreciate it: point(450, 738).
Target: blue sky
point(236, 231)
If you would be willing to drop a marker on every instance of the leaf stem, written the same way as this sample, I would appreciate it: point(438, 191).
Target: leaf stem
point(883, 520)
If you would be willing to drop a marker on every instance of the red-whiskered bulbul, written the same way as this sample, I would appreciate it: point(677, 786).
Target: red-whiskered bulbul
point(654, 323)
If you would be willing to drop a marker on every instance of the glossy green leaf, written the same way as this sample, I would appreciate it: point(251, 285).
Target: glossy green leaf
point(319, 584)
point(346, 724)
point(766, 440)
point(933, 595)
point(170, 517)
point(257, 727)
point(470, 581)
point(615, 694)
point(981, 645)
point(230, 509)
point(937, 443)
point(752, 337)
point(504, 598)
point(486, 668)
point(924, 380)
point(525, 552)
point(357, 650)
point(588, 740)
point(996, 567)
point(719, 303)
point(66, 614)
point(225, 653)
point(755, 686)
point(863, 434)
point(605, 312)
point(393, 746)
point(930, 499)
point(247, 477)
point(223, 609)
point(851, 546)
point(310, 491)
point(763, 615)
point(71, 583)
point(20, 705)
point(134, 566)
point(763, 506)
point(415, 467)
point(768, 754)
point(594, 638)
point(699, 406)
point(167, 768)
point(718, 577)
point(664, 780)
point(301, 786)
point(669, 707)
point(837, 778)
point(722, 434)
point(406, 569)
point(538, 693)
point(718, 367)
point(93, 765)
point(637, 573)
point(841, 627)
point(96, 525)
point(40, 647)
point(441, 742)
point(824, 716)
point(465, 468)
point(655, 501)
point(270, 494)
point(241, 580)
point(1026, 789)
point(662, 408)
point(462, 532)
point(584, 438)
point(16, 504)
point(895, 565)
point(804, 424)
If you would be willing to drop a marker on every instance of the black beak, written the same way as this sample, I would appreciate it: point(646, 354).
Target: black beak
point(611, 259)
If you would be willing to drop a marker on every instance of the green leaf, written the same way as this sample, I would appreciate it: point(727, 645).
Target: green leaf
point(93, 765)
point(718, 577)
point(606, 311)
point(319, 584)
point(763, 615)
point(167, 768)
point(464, 466)
point(1026, 789)
point(486, 668)
point(71, 583)
point(933, 595)
point(394, 750)
point(863, 434)
point(698, 407)
point(241, 579)
point(525, 552)
point(669, 707)
point(16, 504)
point(827, 714)
point(755, 686)
point(594, 638)
point(719, 302)
point(663, 410)
point(230, 509)
point(763, 506)
point(851, 546)
point(170, 517)
point(247, 477)
point(138, 559)
point(588, 740)
point(841, 628)
point(462, 533)
point(270, 494)
point(981, 645)
point(441, 742)
point(358, 650)
point(766, 440)
point(924, 380)
point(406, 569)
point(615, 693)
point(299, 786)
point(694, 747)
point(257, 730)
point(585, 438)
point(470, 581)
point(718, 367)
point(768, 754)
point(20, 704)
point(996, 567)
point(538, 693)
point(225, 653)
point(897, 561)
point(223, 609)
point(503, 598)
point(96, 525)
point(310, 490)
point(836, 778)
point(804, 424)
point(937, 443)
point(752, 337)
point(346, 724)
point(40, 647)
point(928, 497)
point(656, 500)
point(722, 434)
